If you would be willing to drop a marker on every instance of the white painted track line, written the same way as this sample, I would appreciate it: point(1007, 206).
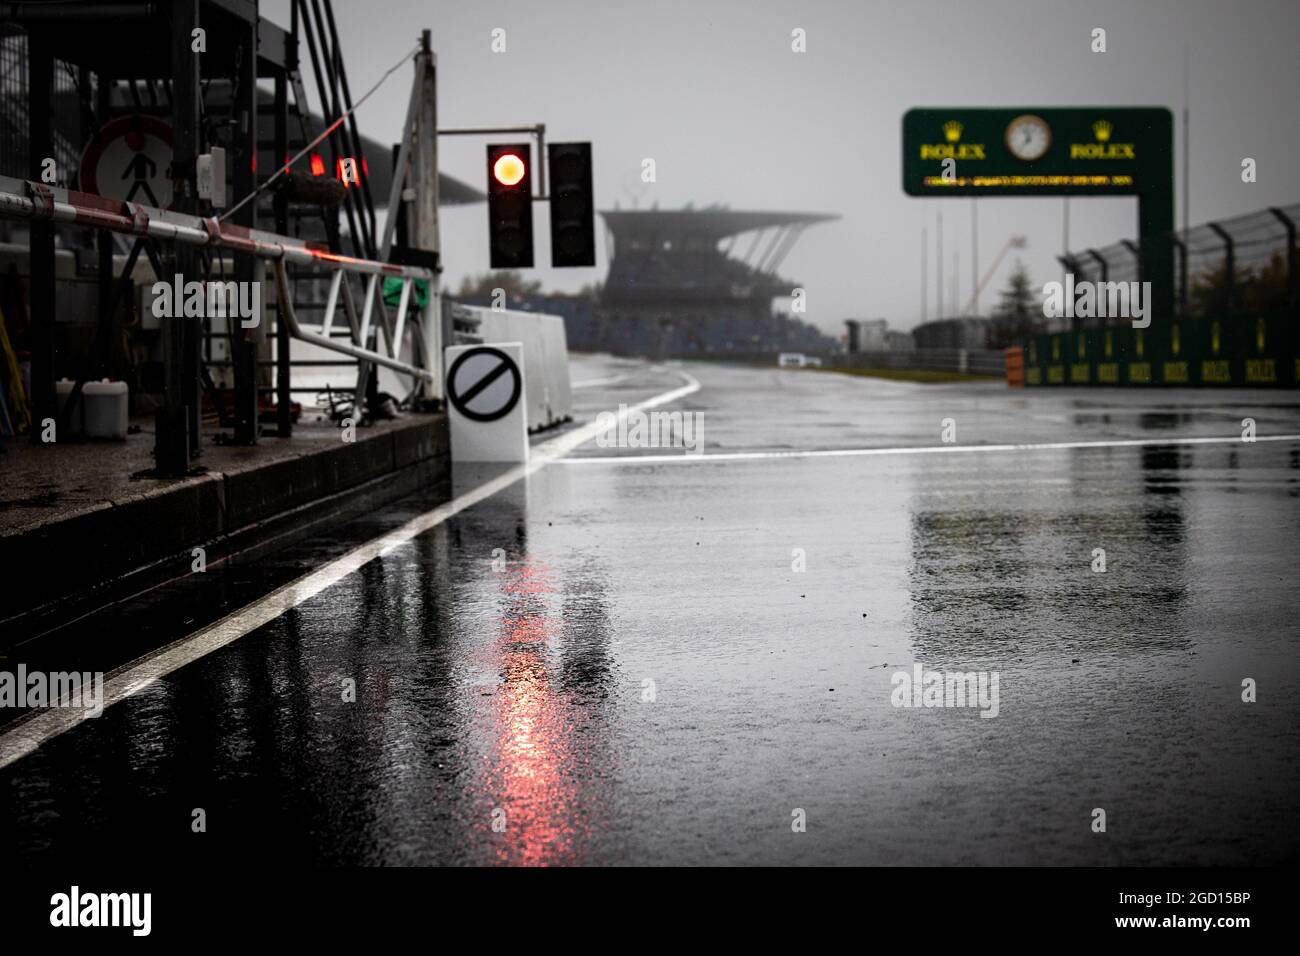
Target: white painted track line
point(686, 459)
point(31, 731)
point(593, 382)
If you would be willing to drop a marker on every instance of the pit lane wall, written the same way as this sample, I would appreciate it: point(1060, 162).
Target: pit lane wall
point(548, 391)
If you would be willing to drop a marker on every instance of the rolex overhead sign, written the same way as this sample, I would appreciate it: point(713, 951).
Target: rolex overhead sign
point(1019, 151)
point(1048, 151)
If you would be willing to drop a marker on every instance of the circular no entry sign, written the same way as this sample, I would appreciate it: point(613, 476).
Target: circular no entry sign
point(484, 384)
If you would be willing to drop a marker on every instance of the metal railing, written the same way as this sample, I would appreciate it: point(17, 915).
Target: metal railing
point(26, 200)
point(1246, 265)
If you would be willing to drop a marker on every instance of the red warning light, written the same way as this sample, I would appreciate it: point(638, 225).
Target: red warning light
point(508, 169)
point(317, 165)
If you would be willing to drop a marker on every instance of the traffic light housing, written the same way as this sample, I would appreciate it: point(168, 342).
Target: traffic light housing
point(573, 231)
point(510, 205)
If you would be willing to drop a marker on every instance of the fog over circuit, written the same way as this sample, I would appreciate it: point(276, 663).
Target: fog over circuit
point(712, 92)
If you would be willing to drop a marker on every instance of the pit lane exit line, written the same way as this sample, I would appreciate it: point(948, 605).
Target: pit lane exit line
point(30, 732)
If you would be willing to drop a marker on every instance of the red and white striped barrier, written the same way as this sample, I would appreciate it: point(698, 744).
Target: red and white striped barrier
point(20, 199)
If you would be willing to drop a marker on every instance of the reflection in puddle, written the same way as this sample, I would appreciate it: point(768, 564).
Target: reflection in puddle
point(543, 735)
point(993, 577)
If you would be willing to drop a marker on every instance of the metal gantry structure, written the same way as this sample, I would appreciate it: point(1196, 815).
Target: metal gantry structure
point(208, 91)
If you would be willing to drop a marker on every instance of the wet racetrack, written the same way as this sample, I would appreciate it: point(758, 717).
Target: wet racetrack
point(644, 678)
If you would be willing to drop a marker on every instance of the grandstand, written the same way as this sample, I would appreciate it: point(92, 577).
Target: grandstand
point(680, 285)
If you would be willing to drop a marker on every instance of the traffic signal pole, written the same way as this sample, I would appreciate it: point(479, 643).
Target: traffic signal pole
point(424, 218)
point(415, 182)
point(538, 130)
point(564, 180)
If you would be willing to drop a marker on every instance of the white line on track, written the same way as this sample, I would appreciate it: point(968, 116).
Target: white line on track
point(685, 459)
point(30, 732)
point(593, 382)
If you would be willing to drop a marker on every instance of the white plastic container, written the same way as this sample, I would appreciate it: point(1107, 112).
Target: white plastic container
point(105, 409)
point(63, 389)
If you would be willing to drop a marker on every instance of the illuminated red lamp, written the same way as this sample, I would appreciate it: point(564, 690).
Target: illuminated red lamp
point(317, 165)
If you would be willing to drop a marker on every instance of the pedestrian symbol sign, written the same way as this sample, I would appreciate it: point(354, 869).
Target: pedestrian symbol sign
point(130, 159)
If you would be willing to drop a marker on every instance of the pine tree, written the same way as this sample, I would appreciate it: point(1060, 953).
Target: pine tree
point(1019, 313)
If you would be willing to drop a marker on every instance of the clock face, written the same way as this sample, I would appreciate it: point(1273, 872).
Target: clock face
point(1028, 137)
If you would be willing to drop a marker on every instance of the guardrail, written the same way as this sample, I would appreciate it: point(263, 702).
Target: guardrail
point(960, 361)
point(21, 199)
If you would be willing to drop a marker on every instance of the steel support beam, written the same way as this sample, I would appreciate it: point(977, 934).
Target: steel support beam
point(425, 231)
point(247, 269)
point(40, 84)
point(1133, 249)
point(1292, 272)
point(283, 396)
point(1185, 309)
point(1098, 258)
point(1229, 265)
point(364, 354)
point(176, 437)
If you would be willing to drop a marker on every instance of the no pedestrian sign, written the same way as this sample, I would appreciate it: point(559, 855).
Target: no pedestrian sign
point(129, 159)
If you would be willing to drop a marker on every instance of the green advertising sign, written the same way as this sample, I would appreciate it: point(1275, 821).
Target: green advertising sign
point(1237, 352)
point(1050, 151)
point(1032, 151)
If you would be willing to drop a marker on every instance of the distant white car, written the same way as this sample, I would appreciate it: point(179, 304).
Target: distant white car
point(812, 361)
point(792, 360)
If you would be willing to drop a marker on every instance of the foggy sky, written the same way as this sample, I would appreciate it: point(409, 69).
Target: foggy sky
point(712, 91)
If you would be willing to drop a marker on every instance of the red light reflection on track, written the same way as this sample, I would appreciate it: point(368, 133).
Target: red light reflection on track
point(530, 772)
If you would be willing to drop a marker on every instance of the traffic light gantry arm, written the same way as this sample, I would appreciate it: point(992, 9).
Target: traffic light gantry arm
point(538, 130)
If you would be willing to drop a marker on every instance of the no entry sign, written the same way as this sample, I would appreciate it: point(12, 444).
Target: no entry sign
point(484, 387)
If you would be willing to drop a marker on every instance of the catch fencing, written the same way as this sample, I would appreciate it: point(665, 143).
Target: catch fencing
point(1243, 266)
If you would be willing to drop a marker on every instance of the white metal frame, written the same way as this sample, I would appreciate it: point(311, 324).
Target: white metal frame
point(20, 199)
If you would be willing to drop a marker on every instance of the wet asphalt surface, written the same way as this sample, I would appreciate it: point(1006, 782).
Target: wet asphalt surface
point(647, 680)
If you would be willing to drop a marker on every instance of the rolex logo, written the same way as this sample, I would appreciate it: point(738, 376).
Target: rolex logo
point(1102, 147)
point(952, 149)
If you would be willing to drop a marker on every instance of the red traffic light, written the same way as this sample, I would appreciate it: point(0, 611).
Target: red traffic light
point(510, 205)
point(509, 169)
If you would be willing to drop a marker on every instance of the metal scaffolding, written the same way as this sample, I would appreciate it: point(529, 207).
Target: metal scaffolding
point(68, 69)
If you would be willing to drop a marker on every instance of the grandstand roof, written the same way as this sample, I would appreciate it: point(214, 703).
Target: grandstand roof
point(711, 223)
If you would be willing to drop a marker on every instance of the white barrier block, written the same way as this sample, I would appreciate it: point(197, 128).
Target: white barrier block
point(486, 411)
point(546, 353)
